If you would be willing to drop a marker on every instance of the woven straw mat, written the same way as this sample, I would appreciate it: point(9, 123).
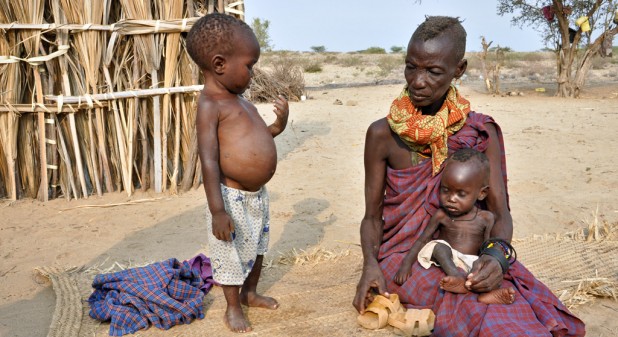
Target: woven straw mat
point(316, 299)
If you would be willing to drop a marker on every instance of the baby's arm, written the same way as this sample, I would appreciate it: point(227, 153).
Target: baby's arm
point(282, 111)
point(406, 265)
point(207, 122)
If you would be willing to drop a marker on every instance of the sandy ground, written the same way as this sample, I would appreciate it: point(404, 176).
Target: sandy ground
point(562, 166)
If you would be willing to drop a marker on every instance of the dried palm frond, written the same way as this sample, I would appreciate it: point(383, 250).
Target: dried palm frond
point(148, 48)
point(91, 146)
point(169, 10)
point(88, 50)
point(10, 93)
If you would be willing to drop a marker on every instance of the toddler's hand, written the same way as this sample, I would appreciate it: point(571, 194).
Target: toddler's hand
point(282, 111)
point(222, 226)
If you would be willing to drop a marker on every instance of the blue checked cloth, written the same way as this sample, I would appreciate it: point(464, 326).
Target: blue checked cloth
point(163, 294)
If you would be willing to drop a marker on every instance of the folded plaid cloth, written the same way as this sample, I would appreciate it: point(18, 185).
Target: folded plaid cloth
point(163, 294)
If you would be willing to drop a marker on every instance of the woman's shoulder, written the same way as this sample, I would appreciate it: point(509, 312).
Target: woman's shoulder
point(478, 117)
point(378, 129)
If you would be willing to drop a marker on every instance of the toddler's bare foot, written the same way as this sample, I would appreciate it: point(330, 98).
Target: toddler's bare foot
point(454, 284)
point(235, 320)
point(253, 299)
point(498, 296)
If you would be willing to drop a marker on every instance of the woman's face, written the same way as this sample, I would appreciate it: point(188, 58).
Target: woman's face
point(430, 67)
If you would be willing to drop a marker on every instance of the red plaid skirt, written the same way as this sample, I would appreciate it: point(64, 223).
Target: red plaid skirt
point(411, 198)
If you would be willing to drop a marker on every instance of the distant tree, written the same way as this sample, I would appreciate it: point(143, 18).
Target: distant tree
point(574, 48)
point(318, 49)
point(373, 50)
point(396, 49)
point(260, 29)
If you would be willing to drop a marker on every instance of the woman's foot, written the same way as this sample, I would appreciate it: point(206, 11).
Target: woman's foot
point(454, 284)
point(235, 320)
point(253, 299)
point(498, 296)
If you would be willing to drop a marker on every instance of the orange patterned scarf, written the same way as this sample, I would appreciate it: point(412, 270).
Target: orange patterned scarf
point(428, 134)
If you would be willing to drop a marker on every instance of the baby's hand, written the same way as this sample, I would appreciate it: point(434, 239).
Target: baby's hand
point(403, 273)
point(282, 111)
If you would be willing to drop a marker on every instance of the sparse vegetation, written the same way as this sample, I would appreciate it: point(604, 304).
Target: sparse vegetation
point(312, 68)
point(350, 61)
point(396, 49)
point(373, 50)
point(388, 63)
point(318, 49)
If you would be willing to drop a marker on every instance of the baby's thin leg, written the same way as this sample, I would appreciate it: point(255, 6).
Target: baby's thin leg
point(455, 281)
point(498, 296)
point(234, 317)
point(248, 292)
point(443, 255)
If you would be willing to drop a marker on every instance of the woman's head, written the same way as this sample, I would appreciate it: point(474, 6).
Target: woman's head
point(434, 58)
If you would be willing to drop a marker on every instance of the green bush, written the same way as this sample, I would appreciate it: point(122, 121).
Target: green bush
point(318, 49)
point(373, 50)
point(312, 68)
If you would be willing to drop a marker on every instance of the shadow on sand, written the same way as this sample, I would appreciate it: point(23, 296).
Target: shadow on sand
point(154, 243)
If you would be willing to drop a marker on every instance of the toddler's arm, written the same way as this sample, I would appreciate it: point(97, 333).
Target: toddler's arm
point(207, 122)
point(406, 265)
point(282, 111)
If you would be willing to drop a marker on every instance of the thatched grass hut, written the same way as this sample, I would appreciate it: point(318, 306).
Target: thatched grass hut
point(98, 96)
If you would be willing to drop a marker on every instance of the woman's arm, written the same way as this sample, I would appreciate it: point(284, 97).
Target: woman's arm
point(486, 273)
point(496, 198)
point(371, 229)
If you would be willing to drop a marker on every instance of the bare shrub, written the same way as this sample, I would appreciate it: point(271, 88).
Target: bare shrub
point(285, 78)
point(388, 63)
point(351, 61)
point(600, 62)
point(474, 62)
point(330, 59)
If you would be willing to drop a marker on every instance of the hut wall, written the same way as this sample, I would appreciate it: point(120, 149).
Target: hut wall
point(98, 96)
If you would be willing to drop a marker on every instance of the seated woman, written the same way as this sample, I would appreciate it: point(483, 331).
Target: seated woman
point(404, 155)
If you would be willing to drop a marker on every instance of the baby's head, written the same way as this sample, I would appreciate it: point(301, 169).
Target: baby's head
point(216, 34)
point(465, 179)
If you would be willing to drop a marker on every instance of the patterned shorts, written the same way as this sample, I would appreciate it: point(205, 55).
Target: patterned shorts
point(232, 261)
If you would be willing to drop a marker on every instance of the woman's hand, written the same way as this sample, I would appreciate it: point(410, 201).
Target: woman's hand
point(486, 275)
point(372, 278)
